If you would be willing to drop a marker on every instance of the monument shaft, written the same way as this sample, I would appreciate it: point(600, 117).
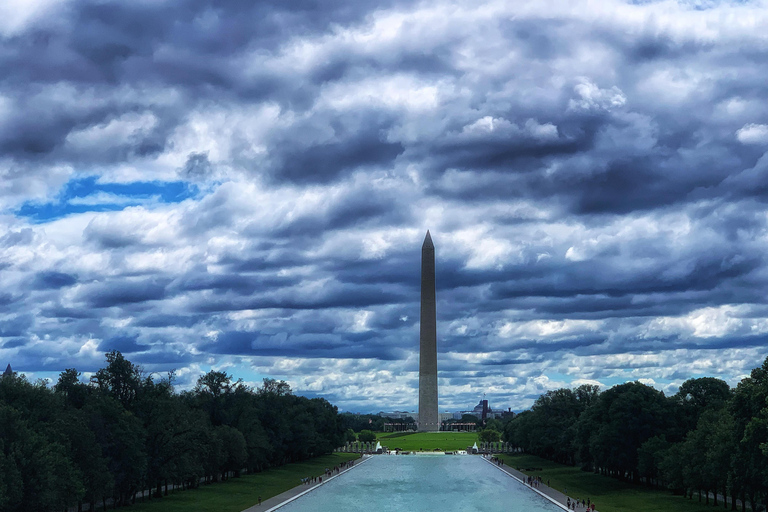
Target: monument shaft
point(429, 418)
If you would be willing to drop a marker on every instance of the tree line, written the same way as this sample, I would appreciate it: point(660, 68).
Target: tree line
point(126, 434)
point(705, 440)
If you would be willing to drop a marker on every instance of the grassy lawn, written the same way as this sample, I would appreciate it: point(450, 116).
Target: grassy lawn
point(238, 494)
point(609, 494)
point(428, 441)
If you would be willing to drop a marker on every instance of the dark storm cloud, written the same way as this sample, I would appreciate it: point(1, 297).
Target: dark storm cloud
point(356, 208)
point(197, 166)
point(514, 151)
point(399, 268)
point(237, 283)
point(117, 42)
point(14, 343)
point(302, 345)
point(191, 46)
point(107, 238)
point(15, 326)
point(125, 344)
point(13, 238)
point(121, 293)
point(358, 141)
point(331, 296)
point(164, 359)
point(166, 320)
point(705, 273)
point(52, 279)
point(65, 314)
point(596, 306)
point(7, 299)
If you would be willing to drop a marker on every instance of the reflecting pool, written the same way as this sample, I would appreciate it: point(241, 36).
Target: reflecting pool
point(422, 483)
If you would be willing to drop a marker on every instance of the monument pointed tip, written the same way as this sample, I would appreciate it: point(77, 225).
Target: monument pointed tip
point(428, 240)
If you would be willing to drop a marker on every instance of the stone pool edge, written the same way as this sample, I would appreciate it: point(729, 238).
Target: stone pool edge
point(550, 498)
point(289, 499)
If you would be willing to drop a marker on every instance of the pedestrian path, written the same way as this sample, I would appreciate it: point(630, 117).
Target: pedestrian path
point(553, 495)
point(275, 502)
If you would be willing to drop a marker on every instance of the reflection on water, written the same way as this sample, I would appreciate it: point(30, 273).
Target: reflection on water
point(413, 482)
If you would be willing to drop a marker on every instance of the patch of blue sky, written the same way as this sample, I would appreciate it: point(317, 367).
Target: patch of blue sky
point(86, 194)
point(250, 376)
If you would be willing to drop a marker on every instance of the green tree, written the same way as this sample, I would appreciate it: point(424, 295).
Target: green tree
point(279, 388)
point(549, 429)
point(611, 431)
point(366, 436)
point(121, 436)
point(520, 432)
point(72, 431)
point(749, 407)
point(69, 385)
point(494, 424)
point(173, 433)
point(696, 396)
point(121, 379)
point(234, 453)
point(555, 414)
point(672, 467)
point(38, 473)
point(488, 435)
point(650, 457)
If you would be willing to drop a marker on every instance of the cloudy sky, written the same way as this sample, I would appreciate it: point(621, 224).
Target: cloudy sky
point(245, 186)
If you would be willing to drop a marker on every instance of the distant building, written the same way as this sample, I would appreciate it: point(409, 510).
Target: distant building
point(507, 414)
point(397, 415)
point(452, 425)
point(400, 427)
point(8, 371)
point(483, 411)
point(444, 416)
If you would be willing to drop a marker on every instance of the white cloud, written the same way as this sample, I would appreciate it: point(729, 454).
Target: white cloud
point(592, 97)
point(753, 134)
point(115, 132)
point(18, 15)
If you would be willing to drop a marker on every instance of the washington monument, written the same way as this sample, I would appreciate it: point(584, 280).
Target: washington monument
point(429, 419)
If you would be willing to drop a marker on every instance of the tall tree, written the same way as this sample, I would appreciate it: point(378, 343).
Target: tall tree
point(620, 421)
point(121, 379)
point(694, 397)
point(749, 407)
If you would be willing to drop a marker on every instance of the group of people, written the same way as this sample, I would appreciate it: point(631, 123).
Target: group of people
point(328, 473)
point(534, 481)
point(587, 505)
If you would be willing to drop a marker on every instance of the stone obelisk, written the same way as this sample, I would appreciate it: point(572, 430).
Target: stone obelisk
point(429, 419)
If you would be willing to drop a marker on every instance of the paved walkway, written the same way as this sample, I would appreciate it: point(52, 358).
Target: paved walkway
point(553, 495)
point(275, 502)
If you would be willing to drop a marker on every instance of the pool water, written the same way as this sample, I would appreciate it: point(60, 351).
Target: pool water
point(441, 483)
